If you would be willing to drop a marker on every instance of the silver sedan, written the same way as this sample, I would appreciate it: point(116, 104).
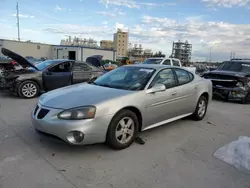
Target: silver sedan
point(121, 103)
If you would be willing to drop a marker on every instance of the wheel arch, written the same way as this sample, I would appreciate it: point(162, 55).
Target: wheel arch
point(134, 110)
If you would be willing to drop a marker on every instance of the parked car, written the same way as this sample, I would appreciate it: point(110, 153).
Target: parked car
point(6, 64)
point(121, 103)
point(33, 79)
point(167, 61)
point(231, 80)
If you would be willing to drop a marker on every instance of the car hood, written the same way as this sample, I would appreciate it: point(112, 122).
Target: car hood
point(227, 73)
point(80, 95)
point(17, 58)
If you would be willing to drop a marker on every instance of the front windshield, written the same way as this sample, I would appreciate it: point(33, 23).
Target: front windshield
point(42, 65)
point(152, 61)
point(235, 66)
point(127, 78)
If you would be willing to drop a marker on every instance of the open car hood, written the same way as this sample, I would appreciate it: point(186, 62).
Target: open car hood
point(95, 60)
point(17, 58)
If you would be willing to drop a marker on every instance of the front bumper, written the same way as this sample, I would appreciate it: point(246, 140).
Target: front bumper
point(94, 130)
point(235, 93)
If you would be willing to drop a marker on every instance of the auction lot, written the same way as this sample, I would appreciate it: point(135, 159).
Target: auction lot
point(179, 154)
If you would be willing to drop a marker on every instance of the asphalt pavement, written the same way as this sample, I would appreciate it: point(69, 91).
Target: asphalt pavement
point(176, 155)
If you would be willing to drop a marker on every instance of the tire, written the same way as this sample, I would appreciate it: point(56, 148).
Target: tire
point(2, 69)
point(28, 89)
point(202, 103)
point(115, 129)
point(246, 99)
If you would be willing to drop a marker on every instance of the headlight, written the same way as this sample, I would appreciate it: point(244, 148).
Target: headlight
point(86, 112)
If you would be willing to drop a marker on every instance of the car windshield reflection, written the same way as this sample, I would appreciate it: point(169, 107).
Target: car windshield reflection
point(126, 78)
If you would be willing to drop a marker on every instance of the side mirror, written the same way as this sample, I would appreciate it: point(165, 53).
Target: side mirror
point(156, 88)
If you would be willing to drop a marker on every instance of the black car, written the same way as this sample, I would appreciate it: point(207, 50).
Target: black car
point(231, 80)
point(33, 79)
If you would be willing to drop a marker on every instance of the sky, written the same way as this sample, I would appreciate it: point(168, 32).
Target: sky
point(219, 26)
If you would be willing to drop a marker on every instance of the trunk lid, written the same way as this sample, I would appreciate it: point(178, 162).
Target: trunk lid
point(17, 58)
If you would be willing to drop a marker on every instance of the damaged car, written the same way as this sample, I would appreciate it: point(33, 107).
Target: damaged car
point(34, 79)
point(231, 80)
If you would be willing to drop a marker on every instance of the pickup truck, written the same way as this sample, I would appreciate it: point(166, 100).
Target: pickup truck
point(168, 61)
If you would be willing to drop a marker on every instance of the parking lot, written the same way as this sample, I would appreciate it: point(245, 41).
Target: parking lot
point(179, 154)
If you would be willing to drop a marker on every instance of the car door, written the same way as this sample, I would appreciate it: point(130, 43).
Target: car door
point(187, 89)
point(161, 106)
point(57, 76)
point(82, 72)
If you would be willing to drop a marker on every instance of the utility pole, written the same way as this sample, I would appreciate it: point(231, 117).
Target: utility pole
point(17, 17)
point(210, 56)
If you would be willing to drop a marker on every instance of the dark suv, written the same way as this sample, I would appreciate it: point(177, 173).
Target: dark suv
point(231, 80)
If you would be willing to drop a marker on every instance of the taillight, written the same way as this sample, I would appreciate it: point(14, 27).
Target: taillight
point(13, 62)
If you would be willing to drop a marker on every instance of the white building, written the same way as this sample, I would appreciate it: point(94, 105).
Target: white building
point(80, 53)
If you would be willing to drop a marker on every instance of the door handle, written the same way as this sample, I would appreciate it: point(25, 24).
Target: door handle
point(174, 93)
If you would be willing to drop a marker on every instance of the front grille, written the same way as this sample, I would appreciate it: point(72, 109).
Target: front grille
point(42, 113)
point(35, 111)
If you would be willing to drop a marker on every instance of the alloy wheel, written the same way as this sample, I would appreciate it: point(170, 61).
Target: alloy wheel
point(29, 90)
point(125, 130)
point(201, 108)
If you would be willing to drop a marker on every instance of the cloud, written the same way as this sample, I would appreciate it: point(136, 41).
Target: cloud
point(133, 3)
point(59, 9)
point(226, 3)
point(24, 16)
point(105, 22)
point(111, 14)
point(106, 13)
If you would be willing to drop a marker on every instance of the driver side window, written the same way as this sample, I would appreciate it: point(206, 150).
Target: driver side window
point(62, 67)
point(165, 77)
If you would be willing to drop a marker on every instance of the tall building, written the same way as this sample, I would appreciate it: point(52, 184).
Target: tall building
point(182, 51)
point(121, 43)
point(107, 44)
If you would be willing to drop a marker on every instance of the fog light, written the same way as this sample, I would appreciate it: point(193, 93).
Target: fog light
point(75, 137)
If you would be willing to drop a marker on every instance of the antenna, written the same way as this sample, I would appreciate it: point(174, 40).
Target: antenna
point(17, 17)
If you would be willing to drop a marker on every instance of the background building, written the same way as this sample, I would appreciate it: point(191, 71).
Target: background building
point(36, 50)
point(80, 53)
point(107, 44)
point(137, 53)
point(121, 43)
point(182, 51)
point(76, 41)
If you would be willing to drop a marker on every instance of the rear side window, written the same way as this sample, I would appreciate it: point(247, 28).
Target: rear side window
point(81, 67)
point(183, 76)
point(176, 63)
point(167, 62)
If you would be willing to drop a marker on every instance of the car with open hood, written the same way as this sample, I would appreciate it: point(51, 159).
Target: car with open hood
point(120, 103)
point(32, 79)
point(231, 80)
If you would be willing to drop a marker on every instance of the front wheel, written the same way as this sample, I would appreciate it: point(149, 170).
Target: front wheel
point(28, 89)
point(201, 109)
point(122, 130)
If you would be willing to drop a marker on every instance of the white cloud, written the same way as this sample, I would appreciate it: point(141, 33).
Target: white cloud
point(58, 8)
point(105, 22)
point(23, 16)
point(106, 13)
point(227, 3)
point(133, 3)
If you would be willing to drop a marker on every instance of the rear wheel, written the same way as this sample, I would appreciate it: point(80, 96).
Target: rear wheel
point(201, 108)
point(28, 89)
point(122, 130)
